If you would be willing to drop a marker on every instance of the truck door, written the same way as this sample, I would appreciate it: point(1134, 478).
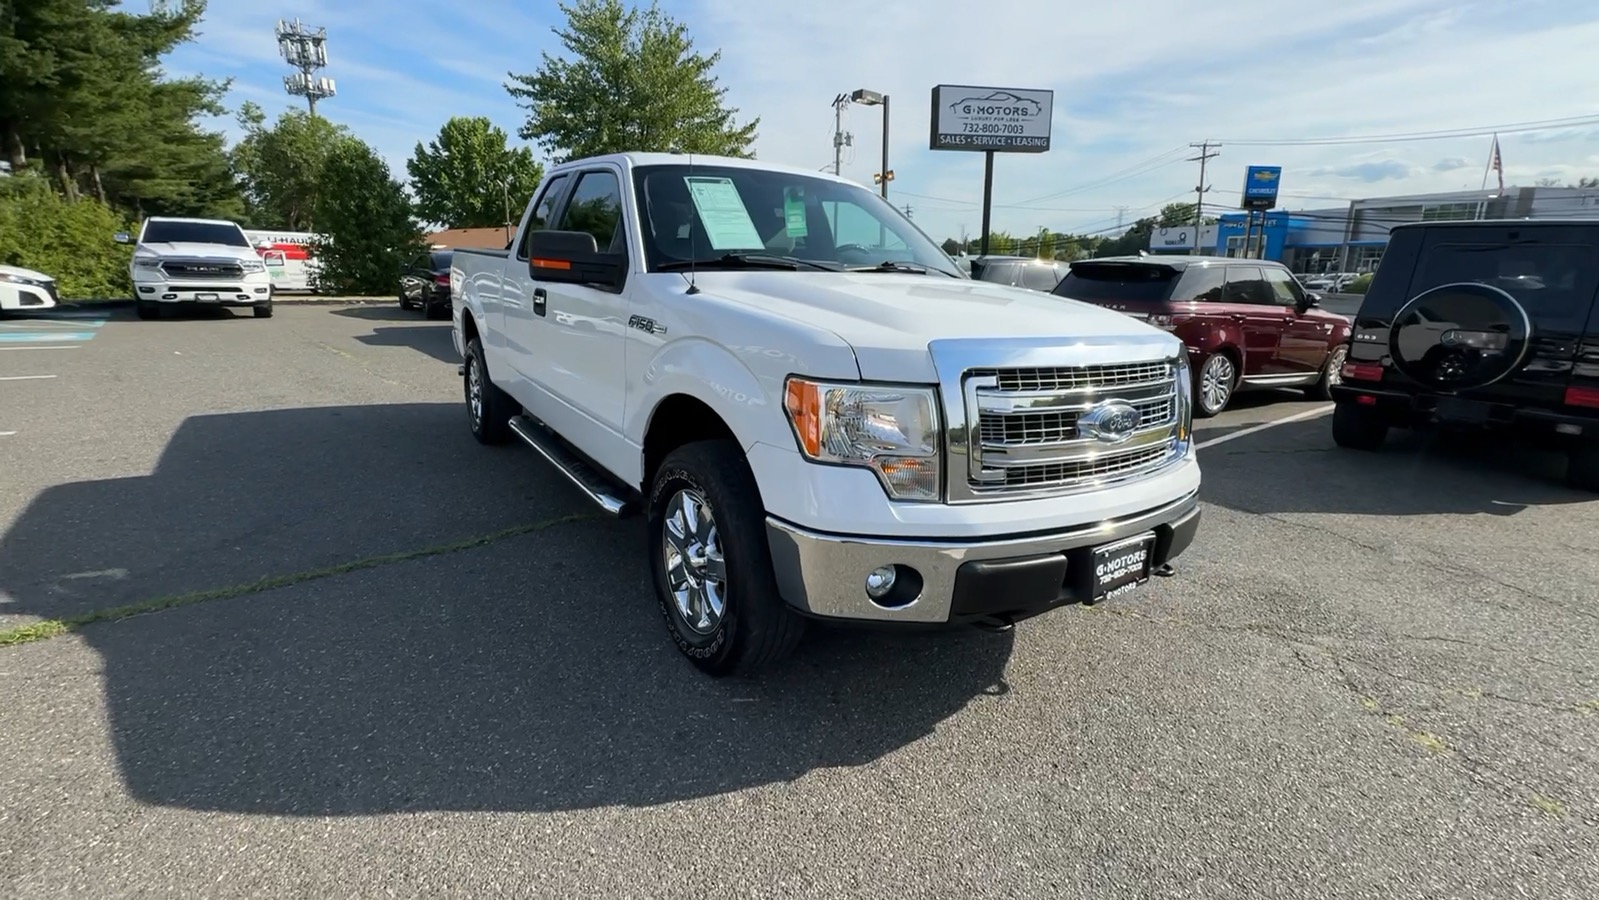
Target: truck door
point(580, 330)
point(511, 317)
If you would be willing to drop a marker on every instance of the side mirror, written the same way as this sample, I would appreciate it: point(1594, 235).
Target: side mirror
point(1311, 301)
point(122, 237)
point(573, 257)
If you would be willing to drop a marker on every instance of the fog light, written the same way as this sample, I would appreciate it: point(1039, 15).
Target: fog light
point(880, 581)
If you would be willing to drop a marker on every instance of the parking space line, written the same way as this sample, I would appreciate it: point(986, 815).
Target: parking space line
point(40, 337)
point(1256, 429)
point(25, 377)
point(50, 347)
point(7, 433)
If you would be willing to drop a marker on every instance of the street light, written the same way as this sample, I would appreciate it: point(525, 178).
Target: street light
point(873, 98)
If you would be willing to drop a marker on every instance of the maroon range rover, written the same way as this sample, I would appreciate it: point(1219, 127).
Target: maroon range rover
point(1248, 323)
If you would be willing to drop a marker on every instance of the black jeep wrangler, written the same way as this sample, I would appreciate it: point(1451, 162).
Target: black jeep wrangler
point(1484, 325)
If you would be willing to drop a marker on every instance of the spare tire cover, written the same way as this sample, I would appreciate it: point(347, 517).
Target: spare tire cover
point(1460, 336)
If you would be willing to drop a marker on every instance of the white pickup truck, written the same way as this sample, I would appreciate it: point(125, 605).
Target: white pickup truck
point(818, 414)
point(209, 262)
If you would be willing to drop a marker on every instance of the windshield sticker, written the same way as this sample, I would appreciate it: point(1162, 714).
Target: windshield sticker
point(794, 212)
point(727, 222)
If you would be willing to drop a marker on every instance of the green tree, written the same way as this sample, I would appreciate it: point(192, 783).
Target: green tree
point(1131, 241)
point(468, 177)
point(85, 100)
point(635, 83)
point(281, 167)
point(1046, 245)
point(66, 239)
point(367, 231)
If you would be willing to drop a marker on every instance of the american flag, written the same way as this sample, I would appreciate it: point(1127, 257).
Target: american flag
point(1497, 164)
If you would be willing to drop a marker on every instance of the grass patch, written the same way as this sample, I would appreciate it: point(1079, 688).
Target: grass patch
point(1551, 807)
point(51, 628)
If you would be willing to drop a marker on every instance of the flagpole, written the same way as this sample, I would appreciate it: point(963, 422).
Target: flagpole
point(1489, 167)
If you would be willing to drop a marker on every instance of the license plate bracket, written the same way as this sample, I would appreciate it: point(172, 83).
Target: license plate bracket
point(206, 298)
point(1461, 411)
point(1122, 567)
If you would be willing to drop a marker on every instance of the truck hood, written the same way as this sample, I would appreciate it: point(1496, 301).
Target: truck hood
point(889, 318)
point(199, 251)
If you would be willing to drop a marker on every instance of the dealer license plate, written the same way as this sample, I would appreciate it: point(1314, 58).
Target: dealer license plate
point(206, 298)
point(1123, 566)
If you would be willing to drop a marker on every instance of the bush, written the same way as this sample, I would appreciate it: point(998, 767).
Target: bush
point(1360, 285)
point(69, 241)
point(368, 231)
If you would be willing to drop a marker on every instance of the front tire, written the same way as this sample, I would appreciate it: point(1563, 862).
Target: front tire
point(147, 310)
point(1355, 428)
point(712, 566)
point(264, 310)
point(488, 408)
point(1214, 385)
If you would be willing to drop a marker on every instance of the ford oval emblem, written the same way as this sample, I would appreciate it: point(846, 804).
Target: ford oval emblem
point(1111, 422)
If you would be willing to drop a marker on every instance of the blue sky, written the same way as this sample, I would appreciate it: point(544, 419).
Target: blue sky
point(1134, 83)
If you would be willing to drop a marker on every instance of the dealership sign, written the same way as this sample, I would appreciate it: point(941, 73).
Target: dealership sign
point(1260, 186)
point(1008, 120)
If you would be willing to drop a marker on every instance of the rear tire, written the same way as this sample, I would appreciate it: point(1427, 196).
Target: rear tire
point(1354, 428)
point(1582, 468)
point(754, 628)
point(488, 408)
point(1331, 375)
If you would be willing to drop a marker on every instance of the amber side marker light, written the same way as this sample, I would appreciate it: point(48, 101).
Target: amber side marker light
point(552, 263)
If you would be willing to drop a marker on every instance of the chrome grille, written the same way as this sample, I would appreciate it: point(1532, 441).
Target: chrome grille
point(175, 269)
point(1027, 426)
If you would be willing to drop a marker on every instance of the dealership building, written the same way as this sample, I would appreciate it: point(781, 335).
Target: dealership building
point(1352, 238)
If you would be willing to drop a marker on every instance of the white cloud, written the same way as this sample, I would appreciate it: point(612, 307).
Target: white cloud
point(1132, 81)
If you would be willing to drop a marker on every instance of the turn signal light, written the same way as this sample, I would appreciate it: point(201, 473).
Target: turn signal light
point(1353, 371)
point(552, 263)
point(1583, 396)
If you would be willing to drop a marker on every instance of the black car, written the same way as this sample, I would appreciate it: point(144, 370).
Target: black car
point(426, 283)
point(1489, 325)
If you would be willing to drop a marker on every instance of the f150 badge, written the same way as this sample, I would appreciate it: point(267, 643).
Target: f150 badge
point(648, 326)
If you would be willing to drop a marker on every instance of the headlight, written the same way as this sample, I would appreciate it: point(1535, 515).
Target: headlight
point(252, 265)
point(891, 429)
point(1185, 402)
point(147, 262)
point(19, 279)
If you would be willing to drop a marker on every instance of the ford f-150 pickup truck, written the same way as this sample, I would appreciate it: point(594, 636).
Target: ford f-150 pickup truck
point(209, 262)
point(818, 414)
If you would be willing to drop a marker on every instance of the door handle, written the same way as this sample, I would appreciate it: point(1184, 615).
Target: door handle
point(540, 301)
point(1239, 317)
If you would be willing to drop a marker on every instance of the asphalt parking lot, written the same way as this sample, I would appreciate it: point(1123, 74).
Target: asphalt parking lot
point(378, 659)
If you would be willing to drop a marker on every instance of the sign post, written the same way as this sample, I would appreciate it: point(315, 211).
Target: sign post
point(991, 120)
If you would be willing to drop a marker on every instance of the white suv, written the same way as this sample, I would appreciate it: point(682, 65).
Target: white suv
point(199, 261)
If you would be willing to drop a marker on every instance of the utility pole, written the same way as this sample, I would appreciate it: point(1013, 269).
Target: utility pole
point(840, 138)
point(1205, 155)
point(907, 208)
point(1121, 213)
point(307, 51)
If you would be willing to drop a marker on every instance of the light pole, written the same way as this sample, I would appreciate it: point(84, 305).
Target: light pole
point(873, 98)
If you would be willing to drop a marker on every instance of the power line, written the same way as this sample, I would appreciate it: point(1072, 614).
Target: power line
point(1145, 167)
point(1405, 137)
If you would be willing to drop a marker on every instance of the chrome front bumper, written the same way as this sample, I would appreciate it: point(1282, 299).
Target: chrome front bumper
point(824, 575)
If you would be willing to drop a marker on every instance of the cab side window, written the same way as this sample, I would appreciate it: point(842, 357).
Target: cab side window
point(596, 208)
point(540, 220)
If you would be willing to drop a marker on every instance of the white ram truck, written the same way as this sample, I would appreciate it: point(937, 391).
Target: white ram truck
point(820, 416)
point(206, 262)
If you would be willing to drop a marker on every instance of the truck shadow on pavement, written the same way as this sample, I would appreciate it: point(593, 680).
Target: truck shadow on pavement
point(530, 673)
point(432, 339)
point(1296, 468)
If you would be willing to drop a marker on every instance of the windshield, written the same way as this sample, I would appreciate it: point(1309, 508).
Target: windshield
point(1116, 282)
point(193, 233)
point(704, 212)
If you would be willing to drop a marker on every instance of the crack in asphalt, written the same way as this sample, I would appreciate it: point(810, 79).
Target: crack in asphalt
point(53, 628)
